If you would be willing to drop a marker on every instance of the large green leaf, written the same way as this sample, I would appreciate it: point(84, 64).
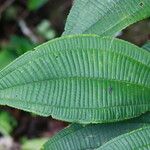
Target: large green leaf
point(77, 137)
point(82, 79)
point(105, 17)
point(136, 140)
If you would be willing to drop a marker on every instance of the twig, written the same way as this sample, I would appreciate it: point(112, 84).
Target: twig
point(26, 31)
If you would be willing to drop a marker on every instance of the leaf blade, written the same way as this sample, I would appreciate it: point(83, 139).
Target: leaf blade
point(137, 139)
point(105, 17)
point(90, 136)
point(73, 76)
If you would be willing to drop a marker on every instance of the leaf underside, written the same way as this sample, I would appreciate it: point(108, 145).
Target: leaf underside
point(86, 79)
point(135, 140)
point(105, 17)
point(92, 136)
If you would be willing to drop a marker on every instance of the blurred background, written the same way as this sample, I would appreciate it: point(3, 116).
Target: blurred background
point(25, 24)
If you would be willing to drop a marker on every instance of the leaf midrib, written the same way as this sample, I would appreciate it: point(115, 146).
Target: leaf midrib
point(123, 82)
point(77, 108)
point(120, 54)
point(75, 50)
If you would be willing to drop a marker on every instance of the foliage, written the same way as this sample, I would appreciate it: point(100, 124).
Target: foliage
point(35, 4)
point(87, 78)
point(7, 123)
point(105, 17)
point(16, 47)
point(61, 67)
point(147, 46)
point(45, 30)
point(35, 144)
point(137, 139)
point(94, 135)
point(5, 58)
point(19, 45)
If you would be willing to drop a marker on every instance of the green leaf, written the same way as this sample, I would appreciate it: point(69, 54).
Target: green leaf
point(5, 58)
point(45, 30)
point(147, 46)
point(135, 140)
point(91, 136)
point(105, 17)
point(33, 144)
point(16, 47)
point(19, 45)
point(7, 123)
point(82, 78)
point(35, 4)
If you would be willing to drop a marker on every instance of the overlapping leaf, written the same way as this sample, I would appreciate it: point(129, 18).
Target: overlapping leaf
point(135, 140)
point(82, 79)
point(76, 137)
point(105, 17)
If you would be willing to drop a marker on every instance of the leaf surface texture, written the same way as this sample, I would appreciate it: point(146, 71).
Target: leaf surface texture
point(105, 17)
point(77, 137)
point(136, 140)
point(86, 79)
